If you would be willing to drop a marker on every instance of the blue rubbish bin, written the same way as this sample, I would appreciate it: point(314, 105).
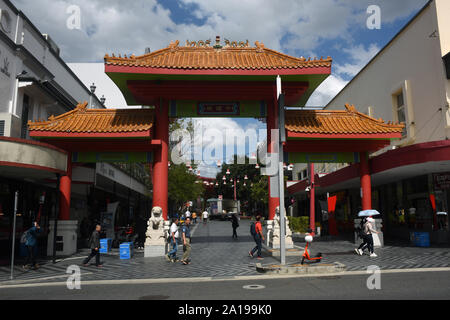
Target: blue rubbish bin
point(105, 245)
point(422, 239)
point(126, 250)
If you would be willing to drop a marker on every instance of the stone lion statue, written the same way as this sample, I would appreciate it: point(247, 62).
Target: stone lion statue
point(155, 225)
point(156, 220)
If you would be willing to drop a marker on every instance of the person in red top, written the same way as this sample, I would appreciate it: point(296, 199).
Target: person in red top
point(258, 237)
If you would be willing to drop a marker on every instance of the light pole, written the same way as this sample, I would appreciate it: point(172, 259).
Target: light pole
point(92, 88)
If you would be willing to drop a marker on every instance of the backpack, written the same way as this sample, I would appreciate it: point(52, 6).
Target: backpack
point(360, 229)
point(253, 229)
point(23, 238)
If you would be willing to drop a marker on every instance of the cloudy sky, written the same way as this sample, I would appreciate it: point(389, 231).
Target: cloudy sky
point(308, 28)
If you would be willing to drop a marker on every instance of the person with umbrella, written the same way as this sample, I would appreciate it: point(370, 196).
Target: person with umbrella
point(366, 232)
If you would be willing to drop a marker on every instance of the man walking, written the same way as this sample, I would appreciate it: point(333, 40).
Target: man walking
point(186, 235)
point(205, 217)
point(172, 255)
point(94, 244)
point(30, 243)
point(234, 224)
point(256, 232)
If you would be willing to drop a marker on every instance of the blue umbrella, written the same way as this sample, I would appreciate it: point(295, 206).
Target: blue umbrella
point(368, 213)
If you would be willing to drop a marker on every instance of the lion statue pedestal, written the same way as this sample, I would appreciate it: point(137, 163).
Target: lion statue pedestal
point(273, 236)
point(155, 242)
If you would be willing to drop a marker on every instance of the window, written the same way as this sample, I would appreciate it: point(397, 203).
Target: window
point(401, 114)
point(25, 111)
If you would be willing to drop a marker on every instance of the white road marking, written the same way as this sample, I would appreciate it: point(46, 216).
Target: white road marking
point(210, 279)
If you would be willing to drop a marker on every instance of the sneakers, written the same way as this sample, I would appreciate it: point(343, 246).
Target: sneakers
point(250, 254)
point(260, 258)
point(359, 252)
point(168, 258)
point(373, 255)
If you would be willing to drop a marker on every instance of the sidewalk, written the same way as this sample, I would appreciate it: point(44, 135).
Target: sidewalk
point(215, 254)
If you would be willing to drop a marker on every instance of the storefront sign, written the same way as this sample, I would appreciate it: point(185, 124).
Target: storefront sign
point(441, 180)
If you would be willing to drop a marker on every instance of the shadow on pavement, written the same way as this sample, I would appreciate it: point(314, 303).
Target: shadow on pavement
point(215, 239)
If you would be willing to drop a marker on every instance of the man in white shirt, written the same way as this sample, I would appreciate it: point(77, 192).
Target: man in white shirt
point(174, 234)
point(205, 216)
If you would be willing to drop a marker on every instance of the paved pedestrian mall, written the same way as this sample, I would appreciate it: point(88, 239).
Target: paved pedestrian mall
point(217, 255)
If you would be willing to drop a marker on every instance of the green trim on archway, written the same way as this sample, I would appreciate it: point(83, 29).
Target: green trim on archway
point(323, 157)
point(130, 157)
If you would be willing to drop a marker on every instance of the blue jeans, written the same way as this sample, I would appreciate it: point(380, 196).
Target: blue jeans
point(258, 247)
point(173, 253)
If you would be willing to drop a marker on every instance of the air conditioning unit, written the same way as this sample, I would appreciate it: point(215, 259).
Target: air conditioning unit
point(51, 43)
point(5, 21)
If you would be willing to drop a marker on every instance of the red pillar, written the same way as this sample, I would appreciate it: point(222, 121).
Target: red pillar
point(160, 171)
point(65, 190)
point(272, 123)
point(364, 172)
point(312, 199)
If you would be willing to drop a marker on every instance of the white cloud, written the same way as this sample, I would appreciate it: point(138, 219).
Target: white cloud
point(126, 27)
point(326, 91)
point(359, 57)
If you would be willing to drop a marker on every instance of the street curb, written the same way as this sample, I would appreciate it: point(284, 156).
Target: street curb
point(213, 279)
point(301, 269)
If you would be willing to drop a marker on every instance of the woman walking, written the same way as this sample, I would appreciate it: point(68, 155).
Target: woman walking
point(367, 230)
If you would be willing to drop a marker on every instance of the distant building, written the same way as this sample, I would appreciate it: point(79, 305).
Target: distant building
point(407, 81)
point(35, 83)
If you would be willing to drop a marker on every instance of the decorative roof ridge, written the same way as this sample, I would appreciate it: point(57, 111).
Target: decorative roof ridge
point(81, 107)
point(380, 121)
point(205, 46)
point(350, 111)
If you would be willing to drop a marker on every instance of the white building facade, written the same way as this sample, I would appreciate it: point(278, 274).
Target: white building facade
point(35, 83)
point(407, 81)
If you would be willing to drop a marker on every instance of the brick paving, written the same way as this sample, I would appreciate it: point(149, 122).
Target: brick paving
point(215, 254)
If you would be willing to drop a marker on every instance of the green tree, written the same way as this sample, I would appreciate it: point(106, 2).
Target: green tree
point(183, 186)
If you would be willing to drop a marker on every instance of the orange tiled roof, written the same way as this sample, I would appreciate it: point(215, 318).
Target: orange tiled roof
point(83, 120)
point(200, 55)
point(347, 121)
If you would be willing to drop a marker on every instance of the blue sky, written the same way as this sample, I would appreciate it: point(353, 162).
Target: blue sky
point(309, 28)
